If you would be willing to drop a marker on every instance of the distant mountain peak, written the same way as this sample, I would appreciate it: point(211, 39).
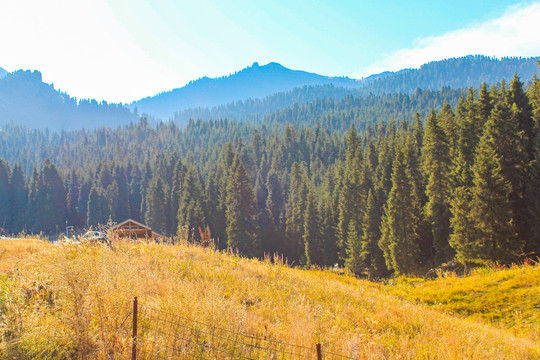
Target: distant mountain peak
point(255, 82)
point(3, 73)
point(27, 75)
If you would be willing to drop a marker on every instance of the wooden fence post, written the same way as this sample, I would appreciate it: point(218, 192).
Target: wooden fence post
point(134, 335)
point(319, 352)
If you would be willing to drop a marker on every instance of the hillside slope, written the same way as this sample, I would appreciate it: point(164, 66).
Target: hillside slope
point(252, 82)
point(507, 298)
point(457, 73)
point(3, 73)
point(26, 100)
point(76, 289)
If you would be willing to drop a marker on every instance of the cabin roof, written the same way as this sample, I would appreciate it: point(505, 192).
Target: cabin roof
point(122, 225)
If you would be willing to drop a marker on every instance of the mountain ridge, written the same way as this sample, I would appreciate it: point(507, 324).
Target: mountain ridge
point(254, 81)
point(249, 93)
point(26, 100)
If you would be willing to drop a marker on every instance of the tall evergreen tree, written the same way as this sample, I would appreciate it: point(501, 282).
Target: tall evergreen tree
point(350, 202)
point(98, 210)
point(241, 231)
point(371, 255)
point(191, 207)
point(312, 232)
point(491, 208)
point(436, 154)
point(399, 228)
point(72, 200)
point(5, 213)
point(156, 205)
point(18, 199)
point(52, 198)
point(295, 211)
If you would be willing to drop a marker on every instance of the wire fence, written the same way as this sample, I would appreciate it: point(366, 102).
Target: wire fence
point(148, 333)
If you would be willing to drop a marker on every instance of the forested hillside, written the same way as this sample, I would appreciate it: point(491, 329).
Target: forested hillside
point(454, 73)
point(362, 182)
point(252, 82)
point(2, 73)
point(249, 94)
point(26, 100)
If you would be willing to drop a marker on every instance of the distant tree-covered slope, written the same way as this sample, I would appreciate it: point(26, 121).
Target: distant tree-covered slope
point(252, 82)
point(455, 73)
point(26, 100)
point(3, 73)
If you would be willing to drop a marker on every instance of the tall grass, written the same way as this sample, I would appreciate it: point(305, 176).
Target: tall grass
point(68, 301)
point(505, 297)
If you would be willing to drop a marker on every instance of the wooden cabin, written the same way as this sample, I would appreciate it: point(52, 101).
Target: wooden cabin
point(134, 230)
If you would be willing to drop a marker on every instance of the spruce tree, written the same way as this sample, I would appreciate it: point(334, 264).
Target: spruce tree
point(52, 199)
point(155, 215)
point(371, 256)
point(18, 199)
point(191, 206)
point(5, 211)
point(354, 248)
point(97, 211)
point(351, 199)
point(491, 208)
point(399, 228)
point(72, 200)
point(295, 211)
point(241, 231)
point(436, 154)
point(312, 233)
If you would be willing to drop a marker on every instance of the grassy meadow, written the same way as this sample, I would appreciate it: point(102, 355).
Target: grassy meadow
point(66, 301)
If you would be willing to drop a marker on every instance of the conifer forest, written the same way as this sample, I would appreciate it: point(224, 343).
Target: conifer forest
point(382, 184)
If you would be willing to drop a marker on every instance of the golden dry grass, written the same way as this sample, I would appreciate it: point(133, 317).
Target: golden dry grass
point(505, 297)
point(62, 301)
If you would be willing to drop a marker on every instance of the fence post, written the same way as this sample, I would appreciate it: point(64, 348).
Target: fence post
point(319, 352)
point(134, 335)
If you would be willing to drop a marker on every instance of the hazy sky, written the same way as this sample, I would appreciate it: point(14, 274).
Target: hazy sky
point(120, 50)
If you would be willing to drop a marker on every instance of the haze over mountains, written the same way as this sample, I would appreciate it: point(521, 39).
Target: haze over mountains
point(252, 82)
point(253, 91)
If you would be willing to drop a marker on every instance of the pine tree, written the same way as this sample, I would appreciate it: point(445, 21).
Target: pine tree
point(18, 199)
point(351, 199)
point(5, 212)
point(156, 209)
point(52, 202)
point(72, 200)
point(241, 231)
point(295, 211)
point(399, 228)
point(354, 248)
point(371, 256)
point(533, 188)
point(491, 208)
point(191, 206)
point(522, 110)
point(135, 192)
point(98, 209)
point(312, 232)
point(121, 210)
point(436, 153)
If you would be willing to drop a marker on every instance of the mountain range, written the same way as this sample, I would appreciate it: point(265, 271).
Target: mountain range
point(256, 90)
point(252, 82)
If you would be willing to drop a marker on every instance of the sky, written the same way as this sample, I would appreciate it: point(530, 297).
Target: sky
point(121, 51)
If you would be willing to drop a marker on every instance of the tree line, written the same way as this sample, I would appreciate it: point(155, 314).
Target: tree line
point(389, 197)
